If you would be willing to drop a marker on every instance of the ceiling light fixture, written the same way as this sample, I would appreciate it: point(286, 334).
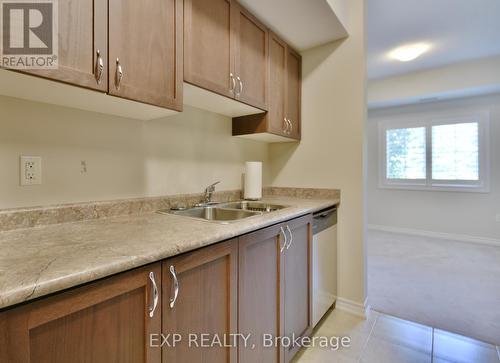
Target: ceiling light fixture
point(409, 52)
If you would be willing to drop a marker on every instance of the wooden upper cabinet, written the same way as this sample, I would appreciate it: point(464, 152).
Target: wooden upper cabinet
point(208, 61)
point(82, 36)
point(250, 49)
point(282, 122)
point(226, 51)
point(201, 297)
point(145, 51)
point(294, 70)
point(107, 321)
point(277, 85)
point(260, 296)
point(298, 282)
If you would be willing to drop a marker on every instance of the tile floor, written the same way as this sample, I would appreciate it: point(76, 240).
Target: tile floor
point(385, 339)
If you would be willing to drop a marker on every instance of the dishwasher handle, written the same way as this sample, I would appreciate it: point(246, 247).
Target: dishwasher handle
point(324, 219)
point(325, 213)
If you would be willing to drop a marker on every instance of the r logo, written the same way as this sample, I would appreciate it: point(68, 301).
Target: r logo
point(29, 34)
point(27, 28)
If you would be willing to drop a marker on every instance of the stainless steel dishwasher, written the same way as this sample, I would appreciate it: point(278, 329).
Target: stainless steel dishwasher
point(324, 262)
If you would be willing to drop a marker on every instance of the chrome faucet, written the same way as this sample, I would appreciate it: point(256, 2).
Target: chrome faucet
point(209, 191)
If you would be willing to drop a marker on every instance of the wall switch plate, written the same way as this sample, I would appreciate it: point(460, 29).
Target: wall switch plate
point(497, 218)
point(31, 170)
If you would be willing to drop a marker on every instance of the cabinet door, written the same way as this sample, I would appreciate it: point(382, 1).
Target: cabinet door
point(207, 45)
point(260, 295)
point(277, 85)
point(251, 67)
point(104, 322)
point(200, 297)
point(298, 281)
point(145, 43)
point(294, 73)
point(82, 34)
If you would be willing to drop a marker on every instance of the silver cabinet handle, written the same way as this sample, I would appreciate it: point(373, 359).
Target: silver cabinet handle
point(240, 87)
point(155, 295)
point(291, 237)
point(290, 127)
point(233, 82)
point(119, 74)
point(99, 67)
point(285, 128)
point(176, 287)
point(286, 240)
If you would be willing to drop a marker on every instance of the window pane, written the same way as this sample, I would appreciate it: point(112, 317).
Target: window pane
point(455, 152)
point(406, 153)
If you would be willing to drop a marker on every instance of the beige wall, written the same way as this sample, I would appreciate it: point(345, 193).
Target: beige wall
point(457, 80)
point(467, 214)
point(331, 152)
point(125, 157)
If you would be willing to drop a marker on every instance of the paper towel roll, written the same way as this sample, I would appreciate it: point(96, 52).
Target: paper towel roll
point(253, 180)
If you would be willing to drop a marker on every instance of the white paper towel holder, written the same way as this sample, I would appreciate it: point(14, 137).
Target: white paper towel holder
point(252, 189)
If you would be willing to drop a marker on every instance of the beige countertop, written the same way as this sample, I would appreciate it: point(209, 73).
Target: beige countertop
point(42, 260)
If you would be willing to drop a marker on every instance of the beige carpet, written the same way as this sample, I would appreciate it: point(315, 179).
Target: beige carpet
point(449, 285)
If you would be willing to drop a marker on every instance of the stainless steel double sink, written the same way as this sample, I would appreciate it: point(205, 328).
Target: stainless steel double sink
point(226, 212)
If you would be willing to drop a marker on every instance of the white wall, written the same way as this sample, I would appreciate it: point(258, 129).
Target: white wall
point(476, 77)
point(469, 214)
point(330, 154)
point(125, 157)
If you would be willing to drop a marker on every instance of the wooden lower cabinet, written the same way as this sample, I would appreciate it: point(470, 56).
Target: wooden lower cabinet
point(298, 282)
point(275, 289)
point(257, 284)
point(200, 301)
point(104, 322)
point(260, 295)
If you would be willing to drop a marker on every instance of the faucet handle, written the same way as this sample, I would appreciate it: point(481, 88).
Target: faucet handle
point(211, 187)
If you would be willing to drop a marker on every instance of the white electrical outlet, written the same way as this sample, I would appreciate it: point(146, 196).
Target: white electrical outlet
point(31, 170)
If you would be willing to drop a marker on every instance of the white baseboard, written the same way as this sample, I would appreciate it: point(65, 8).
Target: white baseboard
point(439, 235)
point(352, 307)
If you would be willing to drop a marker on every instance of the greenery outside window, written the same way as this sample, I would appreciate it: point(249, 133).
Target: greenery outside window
point(438, 153)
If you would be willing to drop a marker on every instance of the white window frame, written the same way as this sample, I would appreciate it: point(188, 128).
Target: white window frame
point(427, 184)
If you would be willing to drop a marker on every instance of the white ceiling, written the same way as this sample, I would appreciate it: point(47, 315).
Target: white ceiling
point(301, 23)
point(459, 30)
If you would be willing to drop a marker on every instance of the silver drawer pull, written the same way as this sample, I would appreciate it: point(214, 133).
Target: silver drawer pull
point(291, 237)
point(282, 248)
point(155, 295)
point(291, 126)
point(176, 287)
point(119, 74)
point(99, 67)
